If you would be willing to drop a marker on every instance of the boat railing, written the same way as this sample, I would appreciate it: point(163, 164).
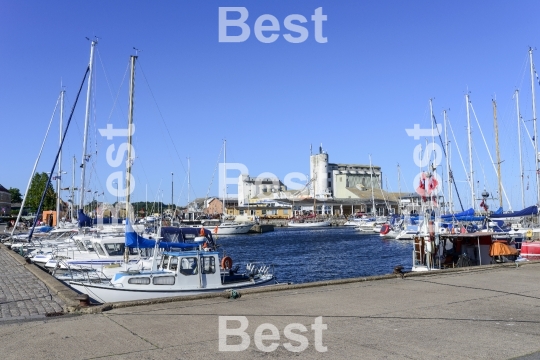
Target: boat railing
point(80, 273)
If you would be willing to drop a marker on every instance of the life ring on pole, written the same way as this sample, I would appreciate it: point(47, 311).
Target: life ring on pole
point(385, 229)
point(226, 263)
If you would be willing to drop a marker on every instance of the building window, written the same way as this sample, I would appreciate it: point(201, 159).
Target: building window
point(285, 211)
point(241, 212)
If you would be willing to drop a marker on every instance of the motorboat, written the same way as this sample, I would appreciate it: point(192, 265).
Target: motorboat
point(195, 268)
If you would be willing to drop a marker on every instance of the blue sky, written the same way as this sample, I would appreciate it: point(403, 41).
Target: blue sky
point(355, 94)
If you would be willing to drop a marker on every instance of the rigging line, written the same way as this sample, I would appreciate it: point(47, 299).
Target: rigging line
point(115, 99)
point(481, 166)
point(35, 165)
point(162, 118)
point(491, 158)
point(527, 130)
point(459, 152)
point(182, 189)
point(450, 168)
point(214, 173)
point(57, 154)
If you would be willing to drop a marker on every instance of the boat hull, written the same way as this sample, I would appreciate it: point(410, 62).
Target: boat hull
point(309, 224)
point(106, 293)
point(230, 229)
point(530, 250)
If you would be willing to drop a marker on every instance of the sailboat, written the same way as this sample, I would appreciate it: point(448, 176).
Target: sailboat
point(182, 269)
point(225, 227)
point(310, 222)
point(370, 225)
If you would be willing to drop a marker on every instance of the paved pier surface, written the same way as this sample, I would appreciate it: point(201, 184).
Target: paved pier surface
point(481, 313)
point(22, 294)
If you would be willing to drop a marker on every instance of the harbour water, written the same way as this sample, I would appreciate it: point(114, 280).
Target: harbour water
point(307, 255)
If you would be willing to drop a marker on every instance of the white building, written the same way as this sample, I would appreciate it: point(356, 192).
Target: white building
point(329, 180)
point(251, 187)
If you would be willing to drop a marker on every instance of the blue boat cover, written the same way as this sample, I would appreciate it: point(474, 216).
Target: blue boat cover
point(531, 210)
point(134, 240)
point(84, 220)
point(469, 212)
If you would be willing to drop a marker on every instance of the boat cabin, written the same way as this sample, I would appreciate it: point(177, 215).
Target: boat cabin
point(180, 270)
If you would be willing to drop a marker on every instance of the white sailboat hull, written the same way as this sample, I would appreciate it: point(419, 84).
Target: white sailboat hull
point(230, 229)
point(309, 224)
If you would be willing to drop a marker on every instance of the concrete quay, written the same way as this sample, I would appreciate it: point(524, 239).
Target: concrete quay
point(489, 312)
point(22, 294)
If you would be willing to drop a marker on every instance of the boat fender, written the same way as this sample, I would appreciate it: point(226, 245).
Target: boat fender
point(226, 262)
point(529, 234)
point(385, 229)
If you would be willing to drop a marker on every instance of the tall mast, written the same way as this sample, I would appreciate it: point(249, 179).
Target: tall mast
point(535, 133)
point(399, 187)
point(224, 176)
point(86, 121)
point(59, 177)
point(450, 201)
point(372, 194)
point(433, 168)
point(519, 147)
point(497, 150)
point(73, 190)
point(188, 180)
point(471, 174)
point(133, 58)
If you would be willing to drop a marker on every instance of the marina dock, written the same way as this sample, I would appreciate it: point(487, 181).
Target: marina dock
point(487, 312)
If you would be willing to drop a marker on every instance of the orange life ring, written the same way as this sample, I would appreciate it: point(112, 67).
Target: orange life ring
point(201, 233)
point(226, 262)
point(385, 229)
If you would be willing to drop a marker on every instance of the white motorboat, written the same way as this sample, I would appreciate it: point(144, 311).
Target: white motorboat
point(408, 233)
point(228, 228)
point(309, 224)
point(178, 274)
point(175, 273)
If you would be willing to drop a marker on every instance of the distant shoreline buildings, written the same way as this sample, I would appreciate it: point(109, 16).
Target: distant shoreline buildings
point(334, 188)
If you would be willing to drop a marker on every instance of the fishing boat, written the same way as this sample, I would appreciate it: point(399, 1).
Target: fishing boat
point(195, 269)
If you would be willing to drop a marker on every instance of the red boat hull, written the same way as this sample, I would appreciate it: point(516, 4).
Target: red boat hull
point(531, 250)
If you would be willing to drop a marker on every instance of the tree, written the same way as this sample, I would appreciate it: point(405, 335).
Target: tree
point(16, 196)
point(36, 190)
